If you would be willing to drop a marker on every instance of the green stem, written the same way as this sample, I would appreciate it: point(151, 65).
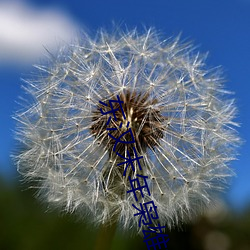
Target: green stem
point(105, 236)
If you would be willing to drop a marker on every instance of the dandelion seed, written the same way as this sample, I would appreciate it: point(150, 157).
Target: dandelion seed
point(177, 111)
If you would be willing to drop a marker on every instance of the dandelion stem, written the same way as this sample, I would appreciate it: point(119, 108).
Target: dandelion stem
point(105, 236)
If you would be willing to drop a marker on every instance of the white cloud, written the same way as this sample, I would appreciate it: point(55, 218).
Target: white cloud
point(25, 31)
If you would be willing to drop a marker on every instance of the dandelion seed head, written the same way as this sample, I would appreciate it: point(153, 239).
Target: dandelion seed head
point(180, 116)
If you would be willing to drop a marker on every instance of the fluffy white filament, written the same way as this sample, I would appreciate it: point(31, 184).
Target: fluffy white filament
point(187, 164)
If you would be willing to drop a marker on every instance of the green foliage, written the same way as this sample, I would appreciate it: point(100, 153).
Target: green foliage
point(25, 226)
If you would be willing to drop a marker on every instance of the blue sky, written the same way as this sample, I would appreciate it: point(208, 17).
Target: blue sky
point(221, 27)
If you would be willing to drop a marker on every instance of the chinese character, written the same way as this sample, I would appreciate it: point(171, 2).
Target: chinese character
point(118, 139)
point(146, 215)
point(158, 240)
point(119, 126)
point(112, 109)
point(130, 161)
point(139, 187)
